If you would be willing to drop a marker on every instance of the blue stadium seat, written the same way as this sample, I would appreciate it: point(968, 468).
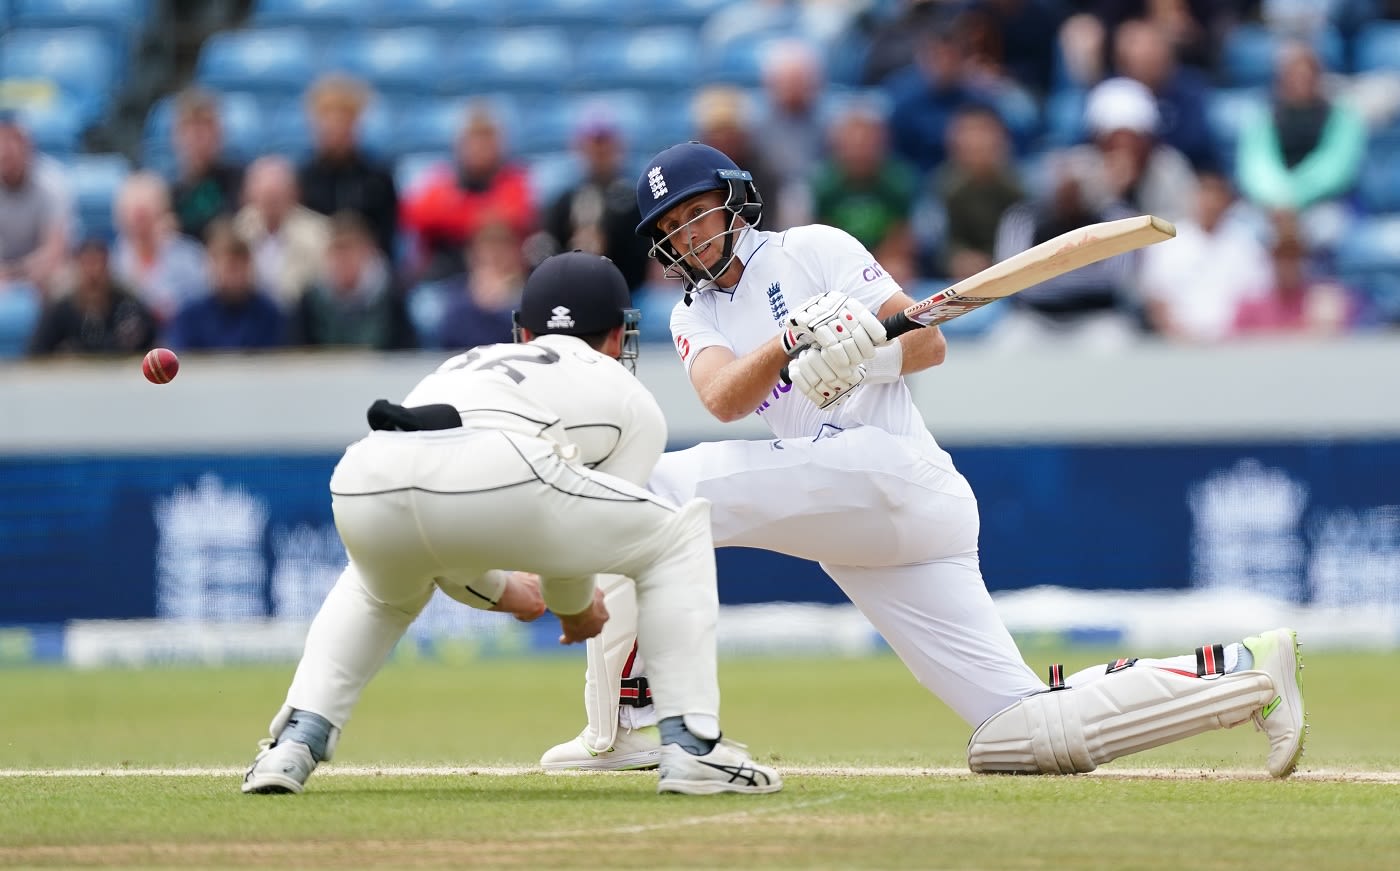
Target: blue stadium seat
point(526, 59)
point(443, 14)
point(279, 61)
point(670, 121)
point(740, 61)
point(1378, 47)
point(656, 59)
point(81, 61)
point(110, 14)
point(685, 13)
point(1368, 258)
point(584, 13)
point(94, 180)
point(242, 119)
point(398, 61)
point(316, 14)
point(56, 127)
point(1380, 182)
point(1250, 49)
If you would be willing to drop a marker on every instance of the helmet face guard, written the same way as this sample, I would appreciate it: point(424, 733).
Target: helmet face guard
point(677, 175)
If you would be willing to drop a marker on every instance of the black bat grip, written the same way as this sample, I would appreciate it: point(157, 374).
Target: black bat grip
point(895, 325)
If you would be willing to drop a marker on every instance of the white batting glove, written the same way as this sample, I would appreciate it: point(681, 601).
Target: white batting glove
point(831, 319)
point(819, 381)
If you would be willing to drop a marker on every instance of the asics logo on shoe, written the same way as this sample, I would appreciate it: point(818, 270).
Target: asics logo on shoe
point(1269, 708)
point(737, 773)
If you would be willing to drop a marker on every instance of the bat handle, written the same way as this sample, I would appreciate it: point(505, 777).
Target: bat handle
point(895, 326)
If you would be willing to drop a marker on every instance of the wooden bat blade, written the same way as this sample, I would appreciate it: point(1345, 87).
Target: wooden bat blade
point(1050, 259)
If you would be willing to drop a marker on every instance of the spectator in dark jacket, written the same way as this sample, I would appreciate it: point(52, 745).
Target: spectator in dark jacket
point(234, 315)
point(339, 174)
point(355, 302)
point(600, 213)
point(98, 317)
point(1143, 53)
point(206, 184)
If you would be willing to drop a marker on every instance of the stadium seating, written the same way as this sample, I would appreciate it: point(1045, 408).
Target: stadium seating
point(739, 61)
point(277, 61)
point(1064, 118)
point(1378, 47)
point(444, 14)
point(657, 59)
point(81, 61)
point(94, 180)
point(411, 169)
point(432, 125)
point(1368, 257)
point(125, 15)
point(585, 13)
point(55, 127)
point(19, 314)
point(685, 13)
point(405, 61)
point(525, 59)
point(314, 14)
point(1249, 52)
point(1380, 182)
point(551, 175)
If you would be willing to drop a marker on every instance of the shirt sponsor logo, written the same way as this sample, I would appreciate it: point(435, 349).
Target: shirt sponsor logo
point(779, 391)
point(872, 272)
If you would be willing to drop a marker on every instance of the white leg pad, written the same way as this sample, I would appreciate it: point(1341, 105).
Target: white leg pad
point(1076, 730)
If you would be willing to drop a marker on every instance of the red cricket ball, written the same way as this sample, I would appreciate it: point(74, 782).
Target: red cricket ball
point(160, 365)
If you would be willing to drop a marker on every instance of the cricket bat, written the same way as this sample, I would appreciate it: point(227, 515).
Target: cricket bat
point(1050, 259)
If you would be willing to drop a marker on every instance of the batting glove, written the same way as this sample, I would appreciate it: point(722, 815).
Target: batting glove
point(819, 381)
point(833, 319)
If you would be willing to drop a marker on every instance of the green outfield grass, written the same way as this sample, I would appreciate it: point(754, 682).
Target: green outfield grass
point(801, 714)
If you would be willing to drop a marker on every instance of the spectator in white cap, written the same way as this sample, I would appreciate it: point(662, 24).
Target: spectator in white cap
point(1125, 163)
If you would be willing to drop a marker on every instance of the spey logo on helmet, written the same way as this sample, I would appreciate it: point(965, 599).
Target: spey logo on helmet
point(579, 294)
point(674, 176)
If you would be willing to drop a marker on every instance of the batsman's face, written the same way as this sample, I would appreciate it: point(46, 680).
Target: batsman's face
point(695, 229)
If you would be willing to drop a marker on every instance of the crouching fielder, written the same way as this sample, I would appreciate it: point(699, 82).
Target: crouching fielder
point(854, 480)
point(474, 471)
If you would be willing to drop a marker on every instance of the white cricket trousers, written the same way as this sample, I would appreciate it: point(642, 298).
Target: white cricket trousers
point(893, 523)
point(421, 510)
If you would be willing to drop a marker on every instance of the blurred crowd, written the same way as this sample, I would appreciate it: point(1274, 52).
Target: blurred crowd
point(930, 162)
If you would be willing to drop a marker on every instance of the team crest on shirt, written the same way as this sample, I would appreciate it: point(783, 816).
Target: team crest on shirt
point(657, 182)
point(560, 318)
point(777, 303)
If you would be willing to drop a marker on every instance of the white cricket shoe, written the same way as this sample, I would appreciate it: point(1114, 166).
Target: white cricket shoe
point(279, 768)
point(726, 768)
point(1276, 654)
point(632, 750)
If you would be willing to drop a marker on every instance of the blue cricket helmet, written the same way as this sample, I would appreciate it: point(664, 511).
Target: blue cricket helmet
point(682, 171)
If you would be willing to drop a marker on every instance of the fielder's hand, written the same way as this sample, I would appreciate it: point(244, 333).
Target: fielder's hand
point(821, 382)
point(521, 597)
point(834, 319)
point(585, 624)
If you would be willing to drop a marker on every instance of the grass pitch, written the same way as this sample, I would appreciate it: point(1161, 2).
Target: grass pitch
point(430, 773)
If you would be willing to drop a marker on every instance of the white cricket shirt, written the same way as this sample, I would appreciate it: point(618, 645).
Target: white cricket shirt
point(782, 271)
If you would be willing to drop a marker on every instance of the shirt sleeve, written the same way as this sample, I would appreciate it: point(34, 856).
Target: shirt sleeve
point(840, 263)
point(641, 441)
point(693, 330)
